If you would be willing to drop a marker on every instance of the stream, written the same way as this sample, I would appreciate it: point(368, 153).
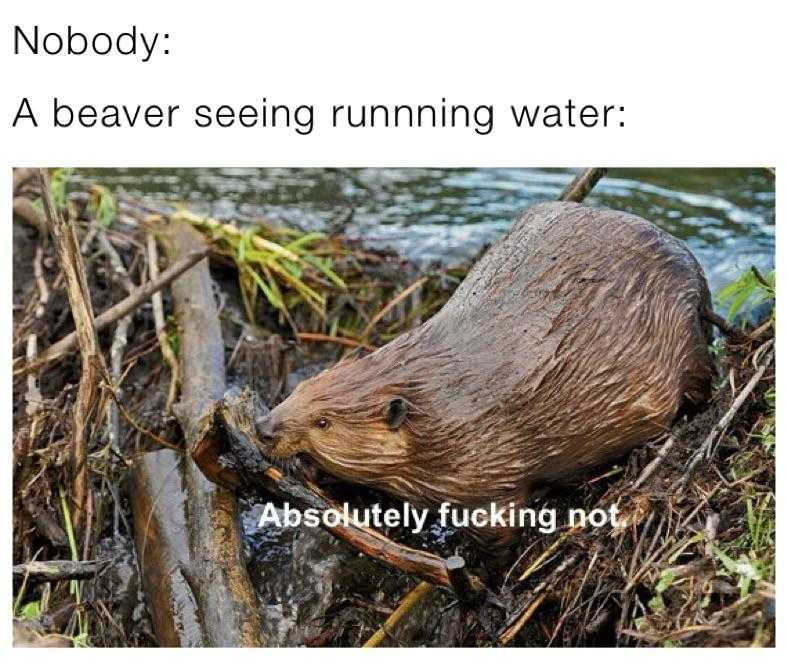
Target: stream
point(726, 216)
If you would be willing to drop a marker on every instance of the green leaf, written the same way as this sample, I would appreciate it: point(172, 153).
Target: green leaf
point(727, 562)
point(299, 244)
point(272, 296)
point(30, 610)
point(666, 579)
point(747, 288)
point(325, 269)
point(656, 603)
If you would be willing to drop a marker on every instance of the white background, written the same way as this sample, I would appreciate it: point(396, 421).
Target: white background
point(703, 84)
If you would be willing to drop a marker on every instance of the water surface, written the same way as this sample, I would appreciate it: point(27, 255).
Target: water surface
point(726, 216)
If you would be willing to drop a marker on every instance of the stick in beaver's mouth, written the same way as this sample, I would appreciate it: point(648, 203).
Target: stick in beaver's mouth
point(241, 460)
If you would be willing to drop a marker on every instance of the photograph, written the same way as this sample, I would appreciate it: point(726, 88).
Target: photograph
point(342, 407)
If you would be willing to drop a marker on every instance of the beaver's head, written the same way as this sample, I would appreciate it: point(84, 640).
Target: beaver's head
point(354, 424)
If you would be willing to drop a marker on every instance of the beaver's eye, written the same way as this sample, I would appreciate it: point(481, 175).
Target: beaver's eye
point(322, 422)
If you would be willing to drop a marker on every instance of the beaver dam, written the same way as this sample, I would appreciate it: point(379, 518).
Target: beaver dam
point(141, 368)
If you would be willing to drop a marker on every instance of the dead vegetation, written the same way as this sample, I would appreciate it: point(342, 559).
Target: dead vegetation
point(693, 564)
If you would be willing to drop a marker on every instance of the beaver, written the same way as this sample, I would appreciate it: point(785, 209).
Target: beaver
point(577, 336)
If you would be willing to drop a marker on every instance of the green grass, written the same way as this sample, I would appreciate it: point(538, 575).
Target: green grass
point(747, 291)
point(81, 637)
point(58, 185)
point(288, 268)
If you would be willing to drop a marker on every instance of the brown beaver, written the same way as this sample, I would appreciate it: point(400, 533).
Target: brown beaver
point(576, 337)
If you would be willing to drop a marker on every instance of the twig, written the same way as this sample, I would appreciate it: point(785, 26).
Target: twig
point(118, 311)
point(507, 636)
point(721, 323)
point(581, 185)
point(119, 340)
point(161, 327)
point(547, 553)
point(41, 284)
point(654, 464)
point(140, 428)
point(339, 340)
point(87, 402)
point(414, 596)
point(115, 261)
point(722, 424)
point(396, 300)
point(54, 570)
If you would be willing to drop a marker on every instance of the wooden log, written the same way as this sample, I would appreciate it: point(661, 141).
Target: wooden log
point(211, 558)
point(161, 524)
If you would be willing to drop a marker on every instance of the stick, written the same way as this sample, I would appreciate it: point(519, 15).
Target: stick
point(507, 636)
point(414, 596)
point(161, 327)
point(339, 340)
point(119, 310)
point(468, 592)
point(654, 464)
point(54, 570)
point(402, 295)
point(534, 566)
point(581, 185)
point(245, 465)
point(723, 423)
point(119, 341)
point(88, 394)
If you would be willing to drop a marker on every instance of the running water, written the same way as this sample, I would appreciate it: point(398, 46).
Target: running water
point(726, 216)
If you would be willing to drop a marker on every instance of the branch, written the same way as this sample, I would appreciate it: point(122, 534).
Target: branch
point(88, 394)
point(119, 310)
point(158, 320)
point(237, 461)
point(581, 186)
point(722, 424)
point(55, 570)
point(413, 597)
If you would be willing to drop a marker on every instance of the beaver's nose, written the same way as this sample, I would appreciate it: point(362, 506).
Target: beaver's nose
point(265, 428)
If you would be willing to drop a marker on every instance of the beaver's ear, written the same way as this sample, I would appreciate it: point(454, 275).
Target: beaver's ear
point(396, 412)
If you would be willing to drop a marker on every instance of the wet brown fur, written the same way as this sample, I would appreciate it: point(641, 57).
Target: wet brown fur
point(575, 338)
